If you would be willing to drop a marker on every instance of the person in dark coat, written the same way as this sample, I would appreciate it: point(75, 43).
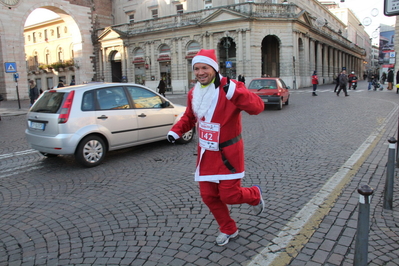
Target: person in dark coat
point(343, 82)
point(390, 79)
point(336, 82)
point(60, 84)
point(33, 92)
point(162, 87)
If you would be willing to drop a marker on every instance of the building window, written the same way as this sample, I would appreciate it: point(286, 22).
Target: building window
point(34, 37)
point(35, 59)
point(48, 57)
point(45, 35)
point(179, 9)
point(208, 3)
point(58, 32)
point(60, 55)
point(66, 30)
point(131, 18)
point(154, 13)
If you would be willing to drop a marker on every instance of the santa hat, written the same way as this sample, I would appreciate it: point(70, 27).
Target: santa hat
point(207, 57)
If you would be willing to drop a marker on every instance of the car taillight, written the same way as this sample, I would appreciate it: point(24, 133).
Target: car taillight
point(277, 94)
point(66, 109)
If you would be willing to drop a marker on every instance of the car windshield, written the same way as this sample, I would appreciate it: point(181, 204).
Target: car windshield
point(262, 84)
point(50, 102)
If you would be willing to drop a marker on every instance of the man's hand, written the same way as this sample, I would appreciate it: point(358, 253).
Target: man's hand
point(171, 139)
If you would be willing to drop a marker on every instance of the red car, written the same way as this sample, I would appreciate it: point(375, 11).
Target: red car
point(271, 90)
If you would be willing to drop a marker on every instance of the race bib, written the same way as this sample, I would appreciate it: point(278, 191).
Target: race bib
point(209, 134)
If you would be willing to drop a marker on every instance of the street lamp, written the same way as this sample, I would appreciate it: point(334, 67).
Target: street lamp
point(227, 45)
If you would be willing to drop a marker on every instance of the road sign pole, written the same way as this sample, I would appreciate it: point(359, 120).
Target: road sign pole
point(19, 102)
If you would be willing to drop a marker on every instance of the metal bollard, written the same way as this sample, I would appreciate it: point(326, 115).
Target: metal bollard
point(388, 189)
point(363, 226)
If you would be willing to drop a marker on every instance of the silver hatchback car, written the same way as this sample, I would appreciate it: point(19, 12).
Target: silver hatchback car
point(89, 120)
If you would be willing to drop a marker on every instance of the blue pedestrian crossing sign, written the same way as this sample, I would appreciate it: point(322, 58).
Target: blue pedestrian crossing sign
point(11, 67)
point(229, 64)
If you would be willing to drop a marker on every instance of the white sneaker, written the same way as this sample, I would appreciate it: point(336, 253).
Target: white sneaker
point(258, 209)
point(223, 238)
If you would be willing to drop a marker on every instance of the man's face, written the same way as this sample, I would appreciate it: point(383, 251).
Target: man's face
point(204, 73)
point(343, 71)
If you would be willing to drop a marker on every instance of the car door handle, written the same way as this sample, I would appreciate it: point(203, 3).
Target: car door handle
point(142, 115)
point(102, 117)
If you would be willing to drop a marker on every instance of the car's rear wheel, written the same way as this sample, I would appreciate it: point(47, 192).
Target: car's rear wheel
point(91, 151)
point(186, 137)
point(280, 104)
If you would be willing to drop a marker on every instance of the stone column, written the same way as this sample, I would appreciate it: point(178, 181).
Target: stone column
point(312, 58)
point(247, 60)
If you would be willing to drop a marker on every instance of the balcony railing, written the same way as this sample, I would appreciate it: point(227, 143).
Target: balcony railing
point(249, 9)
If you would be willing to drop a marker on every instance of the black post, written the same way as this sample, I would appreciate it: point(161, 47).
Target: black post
point(363, 225)
point(388, 190)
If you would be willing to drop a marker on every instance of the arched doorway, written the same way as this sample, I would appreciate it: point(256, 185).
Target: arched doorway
point(227, 57)
point(116, 66)
point(164, 59)
point(270, 56)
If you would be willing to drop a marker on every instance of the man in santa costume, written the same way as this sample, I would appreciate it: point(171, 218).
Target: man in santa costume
point(215, 104)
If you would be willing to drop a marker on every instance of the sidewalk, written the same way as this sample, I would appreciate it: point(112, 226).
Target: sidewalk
point(11, 108)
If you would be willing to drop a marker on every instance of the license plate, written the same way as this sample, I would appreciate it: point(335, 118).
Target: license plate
point(35, 125)
point(265, 100)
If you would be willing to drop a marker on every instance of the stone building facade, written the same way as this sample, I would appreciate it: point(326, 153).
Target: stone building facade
point(144, 41)
point(154, 40)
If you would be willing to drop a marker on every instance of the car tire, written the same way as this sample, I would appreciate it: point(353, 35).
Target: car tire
point(91, 151)
point(280, 104)
point(288, 101)
point(49, 155)
point(186, 137)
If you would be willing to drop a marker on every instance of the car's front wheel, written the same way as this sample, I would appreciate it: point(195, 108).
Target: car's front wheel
point(91, 151)
point(186, 137)
point(288, 101)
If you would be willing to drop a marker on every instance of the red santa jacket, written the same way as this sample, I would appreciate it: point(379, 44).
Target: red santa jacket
point(227, 113)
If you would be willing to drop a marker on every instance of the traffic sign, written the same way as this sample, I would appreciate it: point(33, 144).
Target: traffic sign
point(391, 7)
point(10, 67)
point(229, 64)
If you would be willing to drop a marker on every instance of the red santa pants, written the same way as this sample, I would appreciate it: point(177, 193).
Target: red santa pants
point(217, 195)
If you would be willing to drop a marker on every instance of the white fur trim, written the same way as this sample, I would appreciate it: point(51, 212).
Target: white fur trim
point(231, 90)
point(205, 60)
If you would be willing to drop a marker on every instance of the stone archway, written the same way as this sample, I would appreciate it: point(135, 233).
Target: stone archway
point(81, 20)
point(227, 53)
point(116, 66)
point(271, 56)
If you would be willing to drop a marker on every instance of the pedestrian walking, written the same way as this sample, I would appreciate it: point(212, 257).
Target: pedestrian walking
point(390, 79)
point(343, 82)
point(33, 92)
point(370, 79)
point(383, 78)
point(315, 81)
point(162, 87)
point(60, 84)
point(215, 104)
point(336, 82)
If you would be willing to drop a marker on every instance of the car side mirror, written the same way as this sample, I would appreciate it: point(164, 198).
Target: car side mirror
point(166, 104)
point(288, 87)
